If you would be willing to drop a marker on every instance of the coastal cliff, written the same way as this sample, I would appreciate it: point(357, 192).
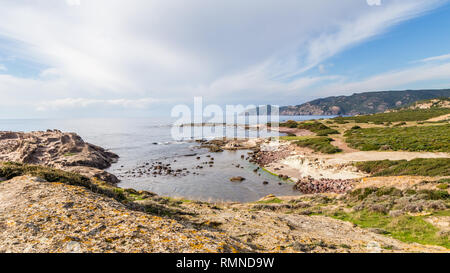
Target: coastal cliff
point(53, 148)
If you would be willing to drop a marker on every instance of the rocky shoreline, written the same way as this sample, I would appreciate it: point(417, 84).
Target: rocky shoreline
point(53, 148)
point(263, 154)
point(310, 185)
point(67, 151)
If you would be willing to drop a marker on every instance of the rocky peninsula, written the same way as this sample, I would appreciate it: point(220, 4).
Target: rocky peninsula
point(53, 148)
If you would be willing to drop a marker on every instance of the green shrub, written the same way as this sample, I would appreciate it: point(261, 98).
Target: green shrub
point(10, 170)
point(327, 132)
point(402, 115)
point(389, 191)
point(289, 124)
point(319, 144)
point(418, 166)
point(400, 124)
point(316, 127)
point(435, 195)
point(362, 193)
point(416, 138)
point(404, 228)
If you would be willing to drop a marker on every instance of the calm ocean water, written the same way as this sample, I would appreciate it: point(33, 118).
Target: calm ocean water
point(138, 141)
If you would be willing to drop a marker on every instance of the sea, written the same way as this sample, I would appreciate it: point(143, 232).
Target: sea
point(139, 141)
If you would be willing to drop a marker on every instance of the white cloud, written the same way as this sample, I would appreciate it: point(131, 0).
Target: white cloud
point(374, 2)
point(83, 103)
point(172, 50)
point(73, 2)
point(393, 79)
point(322, 68)
point(436, 58)
point(50, 72)
point(3, 68)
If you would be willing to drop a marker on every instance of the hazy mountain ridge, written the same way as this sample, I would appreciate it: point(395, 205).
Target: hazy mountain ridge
point(362, 103)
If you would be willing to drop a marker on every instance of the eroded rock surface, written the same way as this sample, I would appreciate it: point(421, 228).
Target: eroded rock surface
point(38, 216)
point(53, 148)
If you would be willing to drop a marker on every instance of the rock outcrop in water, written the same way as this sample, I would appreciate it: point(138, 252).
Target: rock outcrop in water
point(53, 148)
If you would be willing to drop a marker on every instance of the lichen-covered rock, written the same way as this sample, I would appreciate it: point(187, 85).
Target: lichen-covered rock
point(47, 217)
point(38, 216)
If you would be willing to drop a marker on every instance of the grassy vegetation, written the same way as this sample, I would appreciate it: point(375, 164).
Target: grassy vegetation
point(319, 144)
point(400, 214)
point(293, 138)
point(316, 127)
point(372, 207)
point(289, 124)
point(271, 201)
point(10, 170)
point(419, 166)
point(402, 115)
point(404, 228)
point(416, 138)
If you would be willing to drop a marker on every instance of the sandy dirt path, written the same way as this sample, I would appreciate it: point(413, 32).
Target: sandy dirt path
point(341, 144)
point(375, 155)
point(441, 118)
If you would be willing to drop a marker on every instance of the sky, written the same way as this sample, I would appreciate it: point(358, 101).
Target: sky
point(140, 58)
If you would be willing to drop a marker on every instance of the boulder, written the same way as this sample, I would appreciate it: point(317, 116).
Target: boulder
point(55, 149)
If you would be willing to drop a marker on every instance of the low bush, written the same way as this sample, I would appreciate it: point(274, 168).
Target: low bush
point(419, 167)
point(402, 115)
point(319, 144)
point(414, 139)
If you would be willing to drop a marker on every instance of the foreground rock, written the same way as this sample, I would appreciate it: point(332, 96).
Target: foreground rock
point(51, 217)
point(66, 151)
point(38, 216)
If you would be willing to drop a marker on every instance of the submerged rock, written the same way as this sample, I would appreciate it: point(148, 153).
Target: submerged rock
point(237, 179)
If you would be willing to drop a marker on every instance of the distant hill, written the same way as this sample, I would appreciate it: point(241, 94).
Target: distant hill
point(362, 103)
point(429, 104)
